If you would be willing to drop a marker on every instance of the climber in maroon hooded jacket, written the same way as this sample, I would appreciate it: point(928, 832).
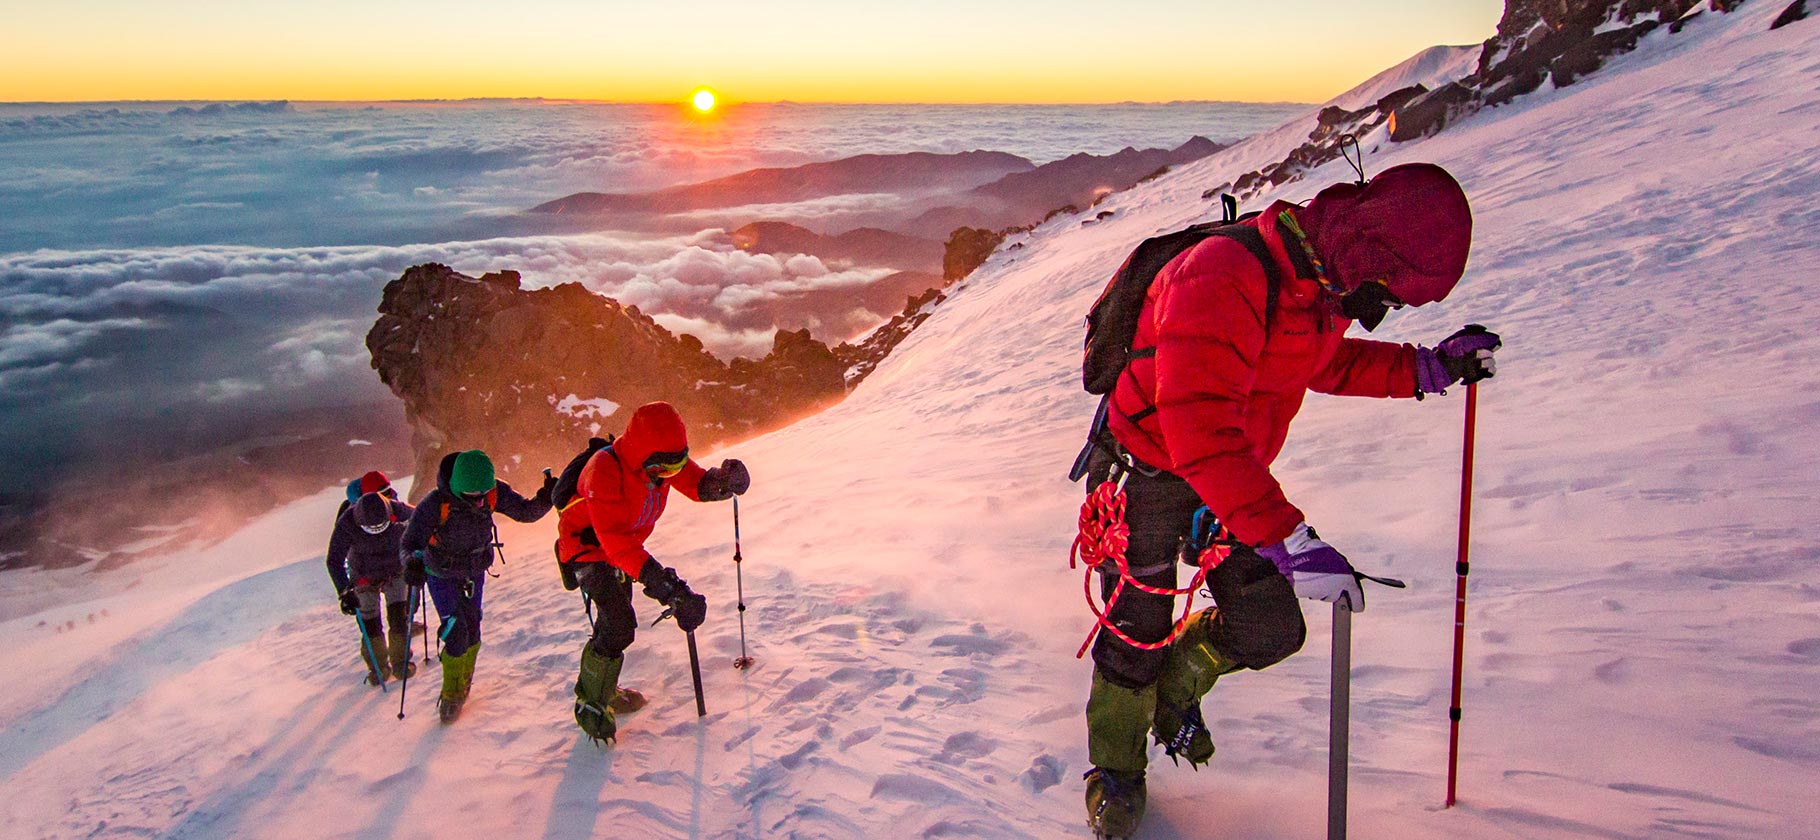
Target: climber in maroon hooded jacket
point(1203, 409)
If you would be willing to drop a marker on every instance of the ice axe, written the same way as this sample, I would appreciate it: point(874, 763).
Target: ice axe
point(1339, 728)
point(701, 705)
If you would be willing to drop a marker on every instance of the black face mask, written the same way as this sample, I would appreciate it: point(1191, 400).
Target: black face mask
point(1368, 304)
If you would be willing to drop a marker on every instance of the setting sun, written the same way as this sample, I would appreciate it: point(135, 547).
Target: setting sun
point(703, 100)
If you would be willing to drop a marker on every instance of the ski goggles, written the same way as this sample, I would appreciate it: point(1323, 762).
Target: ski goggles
point(376, 529)
point(477, 499)
point(666, 464)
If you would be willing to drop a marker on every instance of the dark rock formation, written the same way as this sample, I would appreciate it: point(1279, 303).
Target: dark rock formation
point(529, 375)
point(1541, 41)
point(862, 357)
point(1537, 42)
point(1795, 11)
point(967, 249)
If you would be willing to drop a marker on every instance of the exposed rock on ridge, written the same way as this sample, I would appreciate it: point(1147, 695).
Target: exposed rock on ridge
point(1537, 42)
point(529, 375)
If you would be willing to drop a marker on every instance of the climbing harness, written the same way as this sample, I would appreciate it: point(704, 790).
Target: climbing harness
point(1103, 539)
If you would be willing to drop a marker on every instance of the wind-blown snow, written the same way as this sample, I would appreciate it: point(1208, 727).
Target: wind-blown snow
point(1644, 633)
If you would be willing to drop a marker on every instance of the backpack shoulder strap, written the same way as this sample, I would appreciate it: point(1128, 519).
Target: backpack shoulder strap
point(1253, 241)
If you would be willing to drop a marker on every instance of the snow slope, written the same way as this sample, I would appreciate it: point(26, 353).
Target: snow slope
point(1644, 638)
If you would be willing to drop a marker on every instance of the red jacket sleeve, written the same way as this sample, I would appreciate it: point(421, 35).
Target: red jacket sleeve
point(1210, 321)
point(688, 482)
point(625, 551)
point(1361, 368)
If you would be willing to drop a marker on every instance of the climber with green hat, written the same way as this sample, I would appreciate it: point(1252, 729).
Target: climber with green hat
point(450, 544)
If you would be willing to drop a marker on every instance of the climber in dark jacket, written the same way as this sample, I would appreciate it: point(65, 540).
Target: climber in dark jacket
point(364, 565)
point(449, 546)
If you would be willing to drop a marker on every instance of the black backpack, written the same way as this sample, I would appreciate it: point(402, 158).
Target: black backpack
point(563, 494)
point(1112, 323)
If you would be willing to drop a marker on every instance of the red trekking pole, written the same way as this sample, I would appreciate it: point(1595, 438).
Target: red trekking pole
point(1459, 601)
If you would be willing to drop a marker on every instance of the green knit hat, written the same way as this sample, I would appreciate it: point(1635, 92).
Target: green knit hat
point(472, 473)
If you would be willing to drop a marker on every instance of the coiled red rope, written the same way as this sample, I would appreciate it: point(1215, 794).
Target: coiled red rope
point(1104, 538)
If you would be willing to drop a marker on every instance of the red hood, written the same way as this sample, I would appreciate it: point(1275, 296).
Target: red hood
point(655, 427)
point(1410, 227)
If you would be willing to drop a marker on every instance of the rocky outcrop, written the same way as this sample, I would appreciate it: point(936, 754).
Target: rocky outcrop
point(1541, 42)
point(1537, 42)
point(1795, 11)
point(529, 375)
point(863, 356)
point(967, 250)
point(1333, 125)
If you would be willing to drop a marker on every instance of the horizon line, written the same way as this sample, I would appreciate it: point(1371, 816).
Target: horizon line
point(560, 100)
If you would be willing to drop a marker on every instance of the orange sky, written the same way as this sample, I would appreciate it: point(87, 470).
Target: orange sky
point(802, 50)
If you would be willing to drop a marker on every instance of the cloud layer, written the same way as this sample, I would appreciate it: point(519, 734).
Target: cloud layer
point(109, 335)
point(294, 175)
point(181, 267)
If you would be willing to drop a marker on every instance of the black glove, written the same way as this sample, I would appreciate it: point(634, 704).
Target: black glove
point(738, 480)
point(690, 609)
point(723, 482)
point(549, 486)
point(413, 570)
point(350, 602)
point(661, 582)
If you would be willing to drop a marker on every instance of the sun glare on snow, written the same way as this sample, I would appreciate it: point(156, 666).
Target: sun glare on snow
point(703, 100)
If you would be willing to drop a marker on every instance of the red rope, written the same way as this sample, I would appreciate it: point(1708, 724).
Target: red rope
point(1104, 537)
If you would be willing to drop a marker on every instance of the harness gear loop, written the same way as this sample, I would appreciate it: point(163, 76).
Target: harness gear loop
point(1104, 538)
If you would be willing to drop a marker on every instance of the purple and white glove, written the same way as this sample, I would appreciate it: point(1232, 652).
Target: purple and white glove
point(1464, 356)
point(1316, 569)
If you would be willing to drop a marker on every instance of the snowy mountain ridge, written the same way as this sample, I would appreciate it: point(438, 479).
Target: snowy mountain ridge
point(1645, 625)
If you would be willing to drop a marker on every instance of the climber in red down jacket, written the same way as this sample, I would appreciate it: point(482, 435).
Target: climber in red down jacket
point(1204, 407)
point(610, 497)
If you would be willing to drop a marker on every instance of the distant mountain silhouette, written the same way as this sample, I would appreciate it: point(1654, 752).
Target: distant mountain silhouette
point(1079, 180)
point(860, 246)
point(911, 172)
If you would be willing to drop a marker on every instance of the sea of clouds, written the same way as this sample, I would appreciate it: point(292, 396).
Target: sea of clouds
point(206, 257)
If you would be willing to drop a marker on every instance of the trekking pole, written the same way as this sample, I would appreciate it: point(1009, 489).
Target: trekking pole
point(423, 602)
point(701, 706)
point(367, 642)
point(1339, 720)
point(1459, 600)
point(405, 681)
point(744, 661)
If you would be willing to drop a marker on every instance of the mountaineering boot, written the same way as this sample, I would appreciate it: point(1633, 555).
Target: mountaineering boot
point(1115, 802)
point(379, 668)
point(596, 688)
point(1117, 721)
point(398, 641)
point(1190, 668)
point(457, 675)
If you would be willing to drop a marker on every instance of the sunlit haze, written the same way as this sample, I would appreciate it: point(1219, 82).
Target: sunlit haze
point(796, 50)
